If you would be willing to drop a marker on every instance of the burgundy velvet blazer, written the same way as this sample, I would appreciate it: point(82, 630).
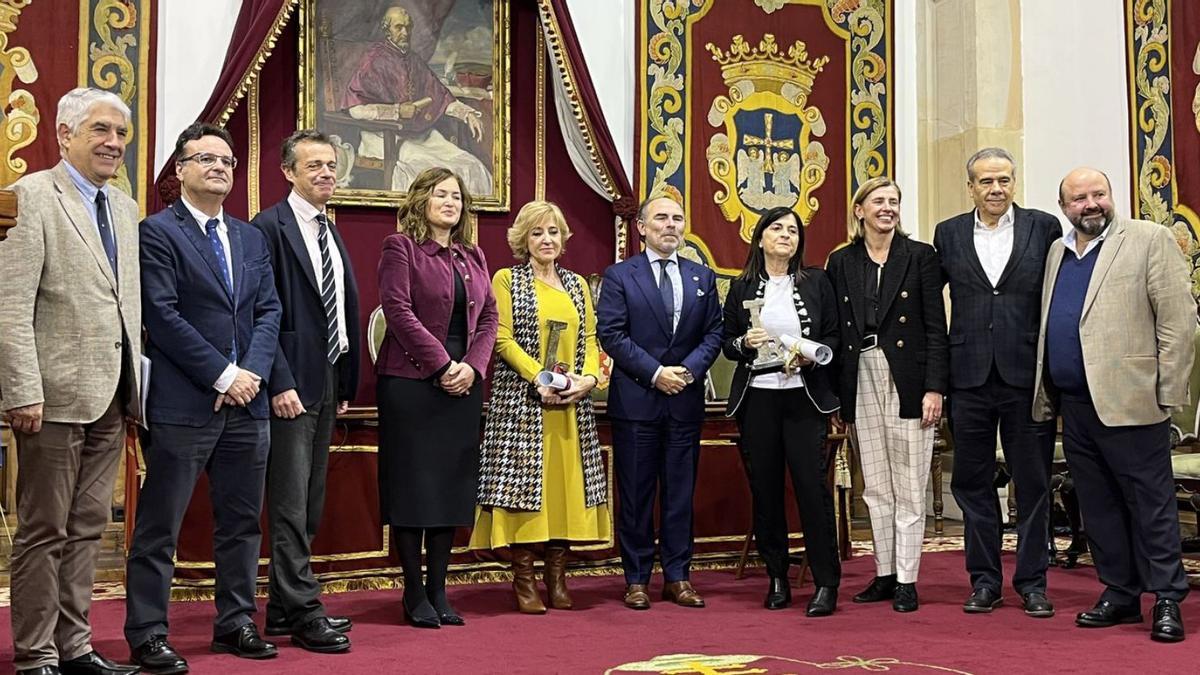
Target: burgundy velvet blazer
point(416, 290)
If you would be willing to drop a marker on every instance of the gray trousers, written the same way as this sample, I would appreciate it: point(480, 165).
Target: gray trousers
point(232, 450)
point(295, 499)
point(64, 498)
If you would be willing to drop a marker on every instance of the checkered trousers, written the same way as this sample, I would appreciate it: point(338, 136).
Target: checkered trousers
point(895, 456)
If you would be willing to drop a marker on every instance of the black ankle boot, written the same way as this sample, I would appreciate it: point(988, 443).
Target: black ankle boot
point(823, 602)
point(779, 593)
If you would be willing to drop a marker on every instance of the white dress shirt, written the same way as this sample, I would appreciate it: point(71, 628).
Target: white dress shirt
point(306, 215)
point(230, 373)
point(779, 318)
point(1072, 237)
point(994, 245)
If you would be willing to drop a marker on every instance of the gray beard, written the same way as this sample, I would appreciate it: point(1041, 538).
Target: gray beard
point(1092, 230)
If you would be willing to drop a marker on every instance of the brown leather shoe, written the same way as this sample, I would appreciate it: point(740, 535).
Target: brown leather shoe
point(525, 583)
point(636, 597)
point(682, 594)
point(555, 576)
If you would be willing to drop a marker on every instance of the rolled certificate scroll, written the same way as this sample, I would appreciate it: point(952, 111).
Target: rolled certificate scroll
point(555, 381)
point(813, 351)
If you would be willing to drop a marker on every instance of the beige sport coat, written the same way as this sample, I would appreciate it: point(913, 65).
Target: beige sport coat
point(64, 318)
point(1137, 327)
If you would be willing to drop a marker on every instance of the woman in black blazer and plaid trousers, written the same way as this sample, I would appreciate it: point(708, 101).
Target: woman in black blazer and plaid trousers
point(894, 365)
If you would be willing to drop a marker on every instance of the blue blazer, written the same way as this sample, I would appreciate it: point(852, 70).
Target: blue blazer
point(191, 321)
point(631, 323)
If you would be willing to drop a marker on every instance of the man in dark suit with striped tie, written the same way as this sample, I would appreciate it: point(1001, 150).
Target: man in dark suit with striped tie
point(313, 379)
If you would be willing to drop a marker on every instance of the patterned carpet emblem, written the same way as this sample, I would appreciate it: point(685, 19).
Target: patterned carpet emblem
point(745, 664)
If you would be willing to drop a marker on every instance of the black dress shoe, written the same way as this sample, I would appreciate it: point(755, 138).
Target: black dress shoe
point(156, 656)
point(318, 636)
point(92, 663)
point(1168, 622)
point(982, 601)
point(1106, 614)
point(823, 602)
point(905, 599)
point(1037, 605)
point(40, 670)
point(779, 594)
point(421, 616)
point(244, 642)
point(341, 624)
point(881, 588)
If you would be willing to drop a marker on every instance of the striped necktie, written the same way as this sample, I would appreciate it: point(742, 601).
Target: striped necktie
point(333, 343)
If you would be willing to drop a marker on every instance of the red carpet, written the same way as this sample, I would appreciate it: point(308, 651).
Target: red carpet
point(602, 636)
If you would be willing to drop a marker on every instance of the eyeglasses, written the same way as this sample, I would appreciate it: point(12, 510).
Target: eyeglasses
point(207, 160)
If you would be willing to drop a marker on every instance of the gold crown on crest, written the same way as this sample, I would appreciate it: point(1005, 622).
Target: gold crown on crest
point(765, 66)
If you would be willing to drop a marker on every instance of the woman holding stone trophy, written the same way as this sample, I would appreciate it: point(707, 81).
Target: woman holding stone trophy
point(781, 330)
point(542, 478)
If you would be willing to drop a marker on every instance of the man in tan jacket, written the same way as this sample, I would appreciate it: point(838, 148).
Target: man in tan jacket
point(1115, 356)
point(70, 345)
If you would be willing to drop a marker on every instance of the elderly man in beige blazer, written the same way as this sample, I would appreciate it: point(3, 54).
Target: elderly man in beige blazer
point(1114, 357)
point(70, 347)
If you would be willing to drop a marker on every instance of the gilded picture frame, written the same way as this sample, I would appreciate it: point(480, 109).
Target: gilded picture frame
point(404, 85)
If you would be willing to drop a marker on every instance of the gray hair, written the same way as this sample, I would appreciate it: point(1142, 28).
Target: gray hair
point(74, 106)
point(989, 153)
point(287, 154)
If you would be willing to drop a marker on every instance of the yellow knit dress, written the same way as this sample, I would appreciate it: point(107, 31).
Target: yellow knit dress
point(563, 514)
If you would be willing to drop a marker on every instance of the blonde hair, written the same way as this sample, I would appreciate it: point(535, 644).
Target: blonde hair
point(854, 224)
point(530, 216)
point(411, 218)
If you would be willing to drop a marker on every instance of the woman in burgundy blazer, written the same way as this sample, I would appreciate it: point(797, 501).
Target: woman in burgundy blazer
point(441, 317)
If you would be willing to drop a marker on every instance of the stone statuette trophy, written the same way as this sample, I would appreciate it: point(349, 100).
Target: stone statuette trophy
point(553, 372)
point(770, 354)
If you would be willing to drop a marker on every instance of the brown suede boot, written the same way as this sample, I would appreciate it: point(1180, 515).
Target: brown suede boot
point(524, 582)
point(555, 575)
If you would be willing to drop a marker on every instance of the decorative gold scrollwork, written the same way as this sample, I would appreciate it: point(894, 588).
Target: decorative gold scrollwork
point(19, 116)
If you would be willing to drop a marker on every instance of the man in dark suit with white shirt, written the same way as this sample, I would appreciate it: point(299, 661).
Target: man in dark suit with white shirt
point(314, 376)
point(993, 259)
point(212, 325)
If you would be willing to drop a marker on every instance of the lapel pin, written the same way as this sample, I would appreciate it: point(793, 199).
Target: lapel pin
point(695, 278)
point(699, 293)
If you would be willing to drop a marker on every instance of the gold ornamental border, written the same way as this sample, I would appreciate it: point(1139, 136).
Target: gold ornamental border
point(254, 152)
point(306, 115)
point(539, 130)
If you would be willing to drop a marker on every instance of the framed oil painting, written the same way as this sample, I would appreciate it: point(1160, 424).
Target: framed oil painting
point(405, 85)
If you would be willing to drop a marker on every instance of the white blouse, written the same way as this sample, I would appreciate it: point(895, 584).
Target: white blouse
point(779, 318)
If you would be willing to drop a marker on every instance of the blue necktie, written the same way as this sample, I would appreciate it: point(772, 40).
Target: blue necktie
point(218, 250)
point(333, 343)
point(667, 289)
point(106, 234)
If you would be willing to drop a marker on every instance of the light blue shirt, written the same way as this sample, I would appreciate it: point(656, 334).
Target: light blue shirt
point(676, 280)
point(88, 192)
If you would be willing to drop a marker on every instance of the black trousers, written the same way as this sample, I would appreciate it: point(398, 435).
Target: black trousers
point(295, 498)
point(781, 428)
point(1127, 496)
point(658, 457)
point(1028, 451)
point(232, 450)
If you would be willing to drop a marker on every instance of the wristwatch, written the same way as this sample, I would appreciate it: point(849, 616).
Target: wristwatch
point(688, 377)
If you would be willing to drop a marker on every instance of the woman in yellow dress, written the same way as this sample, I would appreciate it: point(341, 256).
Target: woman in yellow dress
point(541, 476)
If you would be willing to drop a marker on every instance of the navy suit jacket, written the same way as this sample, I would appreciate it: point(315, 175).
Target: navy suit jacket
point(631, 323)
point(300, 360)
point(191, 321)
point(997, 324)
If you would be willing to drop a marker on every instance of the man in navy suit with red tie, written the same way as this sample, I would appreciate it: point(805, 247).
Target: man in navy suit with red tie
point(212, 323)
point(659, 319)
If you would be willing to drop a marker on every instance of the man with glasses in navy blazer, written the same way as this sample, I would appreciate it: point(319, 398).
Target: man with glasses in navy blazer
point(212, 323)
point(659, 319)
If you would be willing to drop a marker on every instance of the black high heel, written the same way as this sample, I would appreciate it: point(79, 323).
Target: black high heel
point(421, 616)
point(446, 614)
